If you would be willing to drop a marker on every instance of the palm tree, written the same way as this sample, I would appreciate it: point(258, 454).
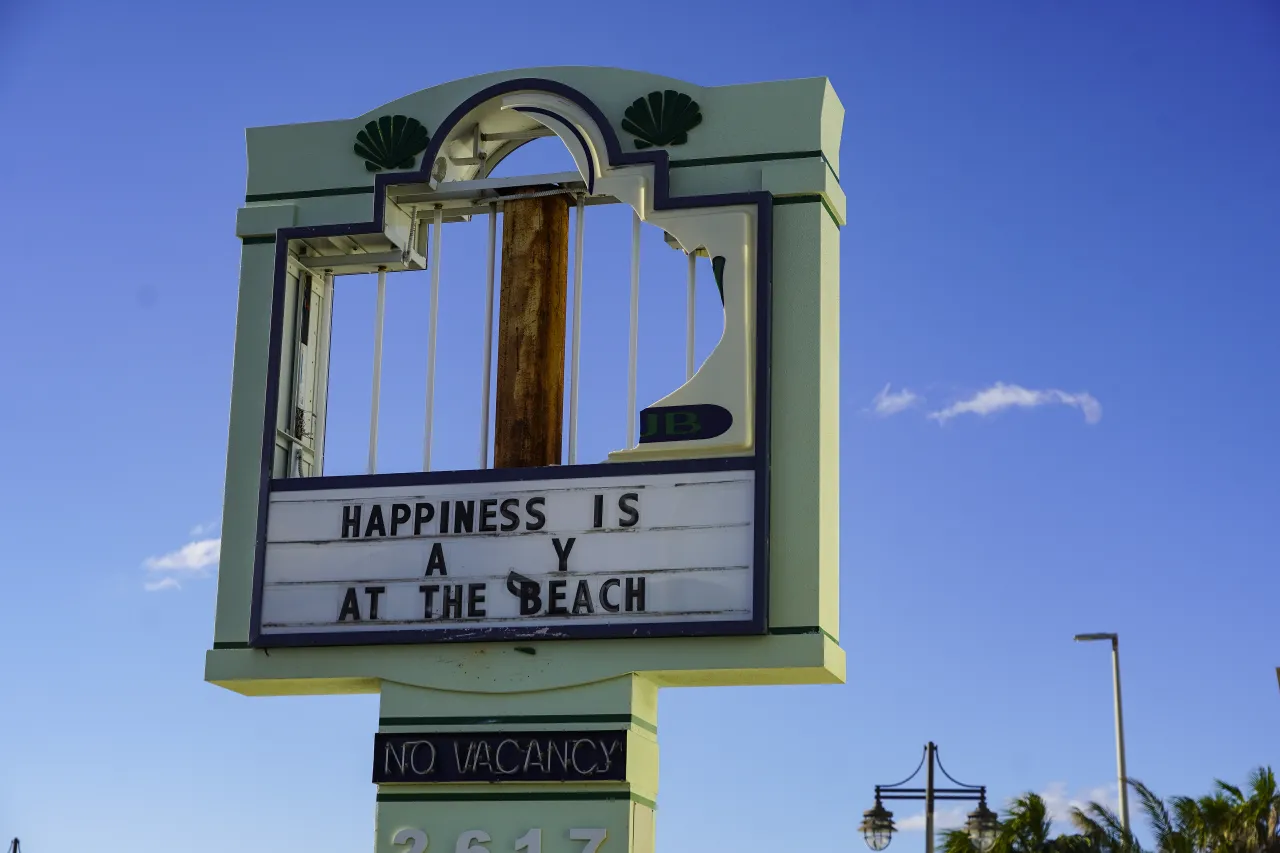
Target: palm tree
point(1025, 828)
point(1225, 821)
point(1228, 820)
point(1254, 822)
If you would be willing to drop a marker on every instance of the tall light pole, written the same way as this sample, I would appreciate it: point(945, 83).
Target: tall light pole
point(1115, 677)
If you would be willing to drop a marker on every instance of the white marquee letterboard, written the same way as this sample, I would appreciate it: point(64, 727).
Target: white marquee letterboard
point(649, 553)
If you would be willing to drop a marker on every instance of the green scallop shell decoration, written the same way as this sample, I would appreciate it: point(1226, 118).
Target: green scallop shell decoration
point(391, 142)
point(662, 118)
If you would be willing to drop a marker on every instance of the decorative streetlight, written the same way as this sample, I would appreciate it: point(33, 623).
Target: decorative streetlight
point(982, 825)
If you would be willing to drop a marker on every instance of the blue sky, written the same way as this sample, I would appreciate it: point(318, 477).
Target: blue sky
point(1080, 200)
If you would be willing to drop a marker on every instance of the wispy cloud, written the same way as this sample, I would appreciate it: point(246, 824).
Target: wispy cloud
point(948, 818)
point(192, 558)
point(205, 529)
point(889, 402)
point(161, 585)
point(1060, 803)
point(1001, 396)
point(1056, 799)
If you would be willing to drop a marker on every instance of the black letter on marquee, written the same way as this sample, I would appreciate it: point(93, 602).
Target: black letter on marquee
point(373, 593)
point(598, 518)
point(399, 515)
point(635, 594)
point(375, 521)
point(422, 513)
point(475, 599)
point(350, 606)
point(487, 514)
point(531, 507)
point(428, 591)
point(563, 553)
point(582, 599)
point(611, 583)
point(512, 520)
point(444, 516)
point(351, 522)
point(435, 562)
point(464, 516)
point(631, 513)
point(530, 598)
point(453, 601)
point(556, 594)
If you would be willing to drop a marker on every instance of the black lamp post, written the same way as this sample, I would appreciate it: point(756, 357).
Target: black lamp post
point(982, 825)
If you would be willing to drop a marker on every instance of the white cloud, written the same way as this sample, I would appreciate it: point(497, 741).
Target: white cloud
point(1001, 396)
point(948, 818)
point(205, 529)
point(1056, 799)
point(888, 402)
point(161, 585)
point(1060, 804)
point(192, 558)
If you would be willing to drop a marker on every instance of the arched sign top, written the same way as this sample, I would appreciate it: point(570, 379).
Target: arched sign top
point(764, 122)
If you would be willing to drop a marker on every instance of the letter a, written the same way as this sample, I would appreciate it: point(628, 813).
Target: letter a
point(435, 563)
point(350, 606)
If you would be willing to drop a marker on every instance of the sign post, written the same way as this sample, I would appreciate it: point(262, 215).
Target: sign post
point(518, 621)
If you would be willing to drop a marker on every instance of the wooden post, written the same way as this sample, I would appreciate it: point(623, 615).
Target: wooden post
point(531, 326)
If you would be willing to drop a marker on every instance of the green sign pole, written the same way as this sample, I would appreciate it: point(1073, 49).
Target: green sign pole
point(607, 729)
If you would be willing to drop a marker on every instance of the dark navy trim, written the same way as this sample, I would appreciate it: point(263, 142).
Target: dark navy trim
point(756, 158)
point(508, 475)
point(723, 628)
point(252, 197)
point(258, 240)
point(810, 198)
point(760, 460)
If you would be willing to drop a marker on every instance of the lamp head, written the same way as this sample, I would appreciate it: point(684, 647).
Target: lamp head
point(983, 827)
point(877, 826)
point(1084, 638)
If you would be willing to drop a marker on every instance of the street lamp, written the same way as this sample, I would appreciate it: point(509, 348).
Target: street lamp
point(982, 825)
point(877, 826)
point(1115, 678)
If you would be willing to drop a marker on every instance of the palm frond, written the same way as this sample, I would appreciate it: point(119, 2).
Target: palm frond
point(1102, 827)
point(1230, 790)
point(1072, 844)
point(1262, 784)
point(1026, 827)
point(956, 841)
point(1157, 816)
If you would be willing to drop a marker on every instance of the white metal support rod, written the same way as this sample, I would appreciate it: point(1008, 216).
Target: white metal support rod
point(1123, 773)
point(293, 459)
point(322, 372)
point(379, 315)
point(634, 339)
point(488, 337)
point(431, 333)
point(575, 346)
point(688, 323)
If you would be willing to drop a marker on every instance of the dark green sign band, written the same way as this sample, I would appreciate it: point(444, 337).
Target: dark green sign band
point(521, 720)
point(675, 164)
point(513, 797)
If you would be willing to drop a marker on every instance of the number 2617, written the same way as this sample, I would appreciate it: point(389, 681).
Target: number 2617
point(474, 840)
